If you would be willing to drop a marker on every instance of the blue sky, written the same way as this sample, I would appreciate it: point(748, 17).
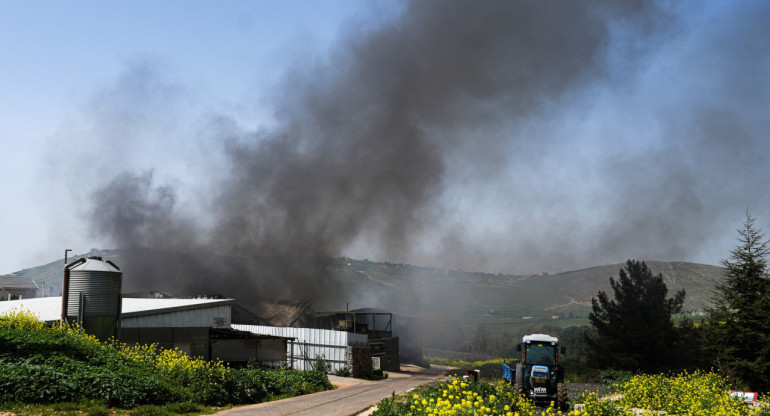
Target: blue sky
point(651, 148)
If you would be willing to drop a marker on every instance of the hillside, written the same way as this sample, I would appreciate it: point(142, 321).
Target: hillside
point(49, 276)
point(452, 303)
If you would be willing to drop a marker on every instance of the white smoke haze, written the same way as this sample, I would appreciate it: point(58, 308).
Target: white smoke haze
point(512, 137)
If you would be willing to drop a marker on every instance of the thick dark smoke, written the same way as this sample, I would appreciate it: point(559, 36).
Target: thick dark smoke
point(448, 109)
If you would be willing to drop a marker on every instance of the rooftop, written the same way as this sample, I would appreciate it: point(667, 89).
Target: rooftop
point(49, 309)
point(17, 283)
point(540, 337)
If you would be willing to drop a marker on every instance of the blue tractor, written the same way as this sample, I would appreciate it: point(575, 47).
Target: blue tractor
point(538, 375)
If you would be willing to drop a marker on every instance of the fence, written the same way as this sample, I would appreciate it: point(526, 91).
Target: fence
point(310, 343)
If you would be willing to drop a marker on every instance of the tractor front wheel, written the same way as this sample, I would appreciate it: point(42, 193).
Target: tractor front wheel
point(561, 396)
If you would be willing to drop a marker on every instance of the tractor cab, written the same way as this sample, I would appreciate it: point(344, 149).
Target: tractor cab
point(538, 375)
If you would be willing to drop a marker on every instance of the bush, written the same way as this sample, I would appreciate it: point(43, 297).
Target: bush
point(694, 394)
point(63, 364)
point(320, 364)
point(614, 379)
point(459, 398)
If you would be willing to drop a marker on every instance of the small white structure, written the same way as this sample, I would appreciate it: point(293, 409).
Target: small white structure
point(331, 346)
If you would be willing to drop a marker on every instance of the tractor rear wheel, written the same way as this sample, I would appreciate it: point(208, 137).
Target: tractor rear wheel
point(561, 396)
point(519, 389)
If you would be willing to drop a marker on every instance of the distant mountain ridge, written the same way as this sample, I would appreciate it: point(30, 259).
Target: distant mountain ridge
point(544, 295)
point(462, 299)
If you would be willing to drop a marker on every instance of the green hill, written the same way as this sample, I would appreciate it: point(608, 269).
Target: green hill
point(452, 303)
point(49, 276)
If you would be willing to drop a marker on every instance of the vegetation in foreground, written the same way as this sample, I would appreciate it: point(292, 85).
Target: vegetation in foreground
point(41, 365)
point(96, 408)
point(489, 369)
point(692, 394)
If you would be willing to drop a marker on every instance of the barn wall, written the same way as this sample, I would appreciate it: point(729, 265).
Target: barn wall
point(245, 350)
point(388, 351)
point(193, 341)
point(213, 316)
point(360, 361)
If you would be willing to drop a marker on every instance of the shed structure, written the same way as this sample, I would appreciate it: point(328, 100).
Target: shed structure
point(337, 348)
point(377, 326)
point(12, 287)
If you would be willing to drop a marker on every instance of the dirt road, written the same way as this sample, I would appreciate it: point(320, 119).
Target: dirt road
point(350, 398)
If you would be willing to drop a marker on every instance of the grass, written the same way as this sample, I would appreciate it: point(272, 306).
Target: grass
point(96, 408)
point(470, 365)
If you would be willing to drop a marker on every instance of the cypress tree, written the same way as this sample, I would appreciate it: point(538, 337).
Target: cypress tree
point(739, 330)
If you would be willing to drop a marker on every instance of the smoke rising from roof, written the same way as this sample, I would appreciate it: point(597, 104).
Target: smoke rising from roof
point(496, 136)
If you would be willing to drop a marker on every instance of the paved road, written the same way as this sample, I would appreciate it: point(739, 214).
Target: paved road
point(345, 401)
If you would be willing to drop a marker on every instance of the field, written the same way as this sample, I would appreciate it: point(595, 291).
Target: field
point(696, 394)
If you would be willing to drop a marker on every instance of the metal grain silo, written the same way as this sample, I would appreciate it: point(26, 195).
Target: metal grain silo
point(91, 295)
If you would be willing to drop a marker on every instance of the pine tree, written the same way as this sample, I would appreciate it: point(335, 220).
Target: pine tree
point(635, 331)
point(740, 320)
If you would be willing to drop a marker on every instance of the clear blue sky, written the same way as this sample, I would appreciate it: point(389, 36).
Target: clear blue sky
point(652, 149)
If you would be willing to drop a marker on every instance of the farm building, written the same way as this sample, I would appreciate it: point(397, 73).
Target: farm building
point(339, 349)
point(203, 327)
point(376, 326)
point(12, 287)
point(200, 327)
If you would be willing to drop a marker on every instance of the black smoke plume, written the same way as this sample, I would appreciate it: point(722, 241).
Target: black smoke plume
point(373, 143)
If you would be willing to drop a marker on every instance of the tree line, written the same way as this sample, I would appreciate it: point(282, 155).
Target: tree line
point(635, 331)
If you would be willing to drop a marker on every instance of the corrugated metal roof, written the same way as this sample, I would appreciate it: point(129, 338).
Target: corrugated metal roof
point(141, 306)
point(279, 312)
point(17, 283)
point(49, 309)
point(46, 309)
point(95, 264)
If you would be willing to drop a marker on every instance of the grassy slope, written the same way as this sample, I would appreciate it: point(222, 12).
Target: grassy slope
point(466, 299)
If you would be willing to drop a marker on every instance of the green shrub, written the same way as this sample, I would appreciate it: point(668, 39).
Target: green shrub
point(460, 398)
point(320, 364)
point(615, 379)
point(151, 410)
point(63, 364)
